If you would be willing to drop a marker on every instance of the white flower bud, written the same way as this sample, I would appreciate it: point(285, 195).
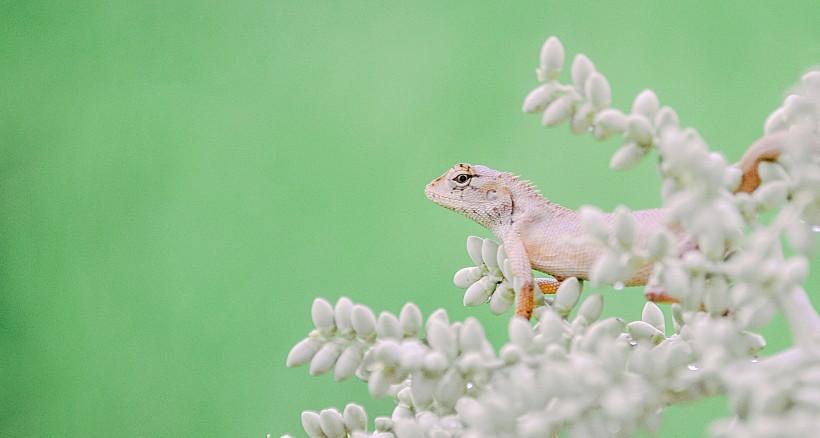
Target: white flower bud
point(324, 359)
point(311, 424)
point(439, 315)
point(332, 423)
point(583, 118)
point(303, 352)
point(666, 118)
point(624, 227)
point(797, 107)
point(422, 388)
point(772, 194)
point(640, 129)
point(582, 67)
point(388, 326)
point(355, 417)
point(502, 300)
point(552, 59)
point(471, 337)
point(489, 253)
point(435, 363)
point(384, 424)
point(407, 428)
point(795, 270)
point(520, 332)
point(646, 104)
point(410, 320)
point(591, 308)
point(775, 122)
point(592, 220)
point(450, 388)
point(566, 297)
point(341, 314)
point(677, 317)
point(441, 338)
point(510, 354)
point(378, 385)
point(467, 276)
point(800, 237)
point(607, 122)
point(474, 244)
point(627, 157)
point(676, 281)
point(346, 364)
point(558, 111)
point(653, 315)
point(412, 354)
point(388, 353)
point(606, 270)
point(363, 321)
point(539, 98)
point(322, 314)
point(597, 91)
point(479, 292)
point(644, 332)
point(661, 245)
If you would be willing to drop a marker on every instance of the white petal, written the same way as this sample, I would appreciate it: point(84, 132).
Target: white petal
point(653, 315)
point(441, 338)
point(303, 352)
point(607, 122)
point(592, 219)
point(566, 297)
point(346, 364)
point(471, 337)
point(502, 300)
point(624, 227)
point(644, 332)
point(332, 424)
point(597, 91)
point(410, 320)
point(552, 57)
point(640, 129)
point(355, 417)
point(324, 359)
point(341, 314)
point(558, 111)
point(776, 122)
point(450, 388)
point(666, 118)
point(582, 67)
point(479, 292)
point(311, 425)
point(592, 307)
point(363, 321)
point(322, 314)
point(646, 104)
point(388, 326)
point(474, 244)
point(520, 332)
point(377, 385)
point(539, 98)
point(388, 353)
point(489, 250)
point(627, 157)
point(467, 276)
point(772, 194)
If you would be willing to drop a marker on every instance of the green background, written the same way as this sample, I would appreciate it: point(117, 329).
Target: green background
point(179, 180)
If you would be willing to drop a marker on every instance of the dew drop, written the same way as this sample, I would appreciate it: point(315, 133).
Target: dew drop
point(816, 228)
point(692, 367)
point(633, 342)
point(618, 285)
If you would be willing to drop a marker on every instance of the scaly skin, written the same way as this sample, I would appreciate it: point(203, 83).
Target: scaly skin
point(544, 236)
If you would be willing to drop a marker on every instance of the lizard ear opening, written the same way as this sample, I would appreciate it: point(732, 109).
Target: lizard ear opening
point(492, 195)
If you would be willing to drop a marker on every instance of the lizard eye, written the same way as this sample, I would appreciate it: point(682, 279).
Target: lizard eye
point(462, 178)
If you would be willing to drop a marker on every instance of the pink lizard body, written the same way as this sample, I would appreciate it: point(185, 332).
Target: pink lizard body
point(538, 234)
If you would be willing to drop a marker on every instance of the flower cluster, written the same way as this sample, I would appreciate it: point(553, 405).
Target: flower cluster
point(576, 373)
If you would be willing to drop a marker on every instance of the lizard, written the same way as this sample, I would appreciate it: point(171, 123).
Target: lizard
point(539, 234)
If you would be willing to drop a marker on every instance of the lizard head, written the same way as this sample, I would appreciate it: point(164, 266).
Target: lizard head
point(478, 192)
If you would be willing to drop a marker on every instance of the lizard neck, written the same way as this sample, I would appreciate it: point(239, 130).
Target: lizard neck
point(527, 206)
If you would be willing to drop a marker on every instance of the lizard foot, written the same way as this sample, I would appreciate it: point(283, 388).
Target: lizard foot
point(525, 301)
point(547, 285)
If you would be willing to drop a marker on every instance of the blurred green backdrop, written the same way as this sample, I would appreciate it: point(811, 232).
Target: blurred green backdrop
point(179, 180)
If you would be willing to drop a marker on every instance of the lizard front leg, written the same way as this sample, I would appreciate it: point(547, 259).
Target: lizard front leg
point(522, 270)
